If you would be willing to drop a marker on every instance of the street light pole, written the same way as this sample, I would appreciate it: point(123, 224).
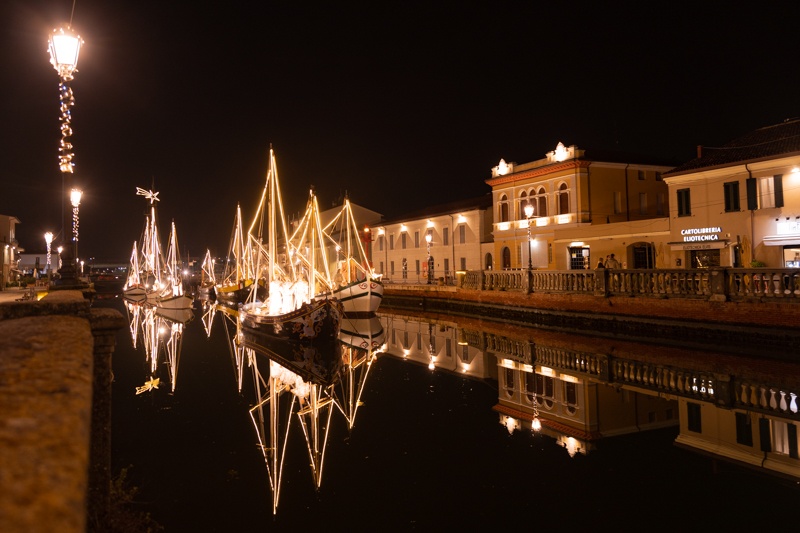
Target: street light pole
point(48, 239)
point(75, 199)
point(64, 46)
point(529, 215)
point(428, 238)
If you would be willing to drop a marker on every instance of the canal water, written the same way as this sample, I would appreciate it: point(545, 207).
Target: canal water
point(426, 452)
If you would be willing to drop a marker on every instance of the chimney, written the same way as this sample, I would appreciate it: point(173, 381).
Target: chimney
point(699, 151)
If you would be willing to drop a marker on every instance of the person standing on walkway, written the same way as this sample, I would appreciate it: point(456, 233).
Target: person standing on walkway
point(612, 262)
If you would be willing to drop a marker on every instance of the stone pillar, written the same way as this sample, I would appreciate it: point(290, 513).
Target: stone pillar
point(718, 284)
point(104, 323)
point(601, 282)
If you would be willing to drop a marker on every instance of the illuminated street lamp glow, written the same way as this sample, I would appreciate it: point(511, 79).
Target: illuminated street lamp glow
point(64, 46)
point(48, 239)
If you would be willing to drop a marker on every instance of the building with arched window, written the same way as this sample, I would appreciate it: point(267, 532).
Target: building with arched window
point(572, 193)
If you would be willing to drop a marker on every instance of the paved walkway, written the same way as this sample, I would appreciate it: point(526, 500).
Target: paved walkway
point(10, 294)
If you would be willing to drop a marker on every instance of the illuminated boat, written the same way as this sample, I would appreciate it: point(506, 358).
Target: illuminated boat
point(356, 284)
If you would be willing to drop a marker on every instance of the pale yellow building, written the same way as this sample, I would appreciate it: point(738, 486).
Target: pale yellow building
point(434, 243)
point(10, 248)
point(739, 203)
point(584, 206)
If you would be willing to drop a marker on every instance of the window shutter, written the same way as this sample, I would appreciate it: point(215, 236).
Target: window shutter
point(778, 183)
point(752, 194)
point(764, 434)
point(792, 440)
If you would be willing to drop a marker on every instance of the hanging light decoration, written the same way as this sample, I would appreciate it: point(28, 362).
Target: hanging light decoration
point(64, 47)
point(75, 199)
point(48, 239)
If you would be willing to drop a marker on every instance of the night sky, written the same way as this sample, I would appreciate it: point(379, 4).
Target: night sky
point(400, 105)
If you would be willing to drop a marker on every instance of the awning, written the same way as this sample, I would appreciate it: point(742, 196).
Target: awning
point(782, 240)
point(702, 245)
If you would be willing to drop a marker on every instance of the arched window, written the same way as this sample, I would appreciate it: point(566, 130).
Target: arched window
point(523, 201)
point(563, 199)
point(488, 262)
point(506, 258)
point(541, 202)
point(503, 208)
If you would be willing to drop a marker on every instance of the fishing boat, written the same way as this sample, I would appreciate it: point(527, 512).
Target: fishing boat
point(205, 289)
point(239, 275)
point(146, 264)
point(298, 324)
point(357, 285)
point(172, 296)
point(296, 328)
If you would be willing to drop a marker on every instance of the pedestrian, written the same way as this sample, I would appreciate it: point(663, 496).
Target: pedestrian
point(612, 262)
point(600, 263)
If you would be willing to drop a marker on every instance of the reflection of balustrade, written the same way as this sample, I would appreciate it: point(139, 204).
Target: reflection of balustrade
point(766, 398)
point(717, 283)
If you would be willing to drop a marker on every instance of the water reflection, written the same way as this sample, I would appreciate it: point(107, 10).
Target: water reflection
point(404, 437)
point(579, 389)
point(160, 333)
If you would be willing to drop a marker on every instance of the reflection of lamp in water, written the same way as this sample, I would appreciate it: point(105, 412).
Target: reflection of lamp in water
point(431, 364)
point(536, 424)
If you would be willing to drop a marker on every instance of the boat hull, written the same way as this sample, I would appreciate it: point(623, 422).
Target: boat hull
point(305, 341)
point(360, 297)
point(232, 295)
point(362, 333)
point(174, 302)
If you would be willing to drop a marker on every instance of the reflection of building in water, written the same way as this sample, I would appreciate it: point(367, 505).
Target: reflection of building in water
point(575, 406)
point(760, 431)
point(582, 388)
point(438, 345)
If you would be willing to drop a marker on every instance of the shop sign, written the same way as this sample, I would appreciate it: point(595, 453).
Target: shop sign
point(700, 235)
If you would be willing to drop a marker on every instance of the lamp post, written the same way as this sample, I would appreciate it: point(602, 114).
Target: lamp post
point(48, 239)
point(64, 46)
point(75, 199)
point(529, 215)
point(428, 238)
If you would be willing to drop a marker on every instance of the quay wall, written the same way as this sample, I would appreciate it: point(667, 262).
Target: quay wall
point(747, 327)
point(55, 412)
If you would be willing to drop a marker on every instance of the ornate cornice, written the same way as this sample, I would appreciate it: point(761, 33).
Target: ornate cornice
point(572, 164)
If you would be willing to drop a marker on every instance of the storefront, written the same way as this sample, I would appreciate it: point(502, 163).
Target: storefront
point(701, 247)
point(787, 237)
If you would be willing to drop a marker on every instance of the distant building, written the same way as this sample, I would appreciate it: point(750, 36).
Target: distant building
point(10, 248)
point(739, 202)
point(585, 205)
point(460, 240)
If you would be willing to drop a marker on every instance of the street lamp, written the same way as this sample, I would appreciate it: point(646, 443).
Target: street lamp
point(75, 199)
point(529, 215)
point(48, 239)
point(428, 238)
point(59, 250)
point(64, 46)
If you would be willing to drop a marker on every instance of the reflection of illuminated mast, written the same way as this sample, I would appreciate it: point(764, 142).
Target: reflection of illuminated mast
point(316, 433)
point(238, 352)
point(347, 392)
point(272, 417)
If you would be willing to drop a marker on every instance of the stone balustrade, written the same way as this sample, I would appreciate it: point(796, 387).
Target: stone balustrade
point(718, 284)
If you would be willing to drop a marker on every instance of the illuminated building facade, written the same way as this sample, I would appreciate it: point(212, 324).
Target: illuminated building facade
point(460, 240)
point(739, 203)
point(10, 248)
point(586, 205)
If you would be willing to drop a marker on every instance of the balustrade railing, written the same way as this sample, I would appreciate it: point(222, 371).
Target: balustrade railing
point(714, 283)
